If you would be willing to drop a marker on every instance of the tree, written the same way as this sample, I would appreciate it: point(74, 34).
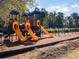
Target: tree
point(59, 21)
point(7, 5)
point(70, 21)
point(52, 19)
point(44, 18)
point(75, 18)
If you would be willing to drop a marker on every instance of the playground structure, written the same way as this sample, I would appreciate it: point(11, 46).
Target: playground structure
point(30, 27)
point(26, 30)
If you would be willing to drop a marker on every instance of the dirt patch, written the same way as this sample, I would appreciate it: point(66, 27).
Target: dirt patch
point(49, 52)
point(59, 50)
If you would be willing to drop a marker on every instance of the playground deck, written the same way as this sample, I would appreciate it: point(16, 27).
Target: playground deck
point(43, 42)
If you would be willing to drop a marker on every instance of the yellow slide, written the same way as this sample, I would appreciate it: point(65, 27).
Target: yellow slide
point(18, 32)
point(28, 28)
point(43, 29)
point(46, 32)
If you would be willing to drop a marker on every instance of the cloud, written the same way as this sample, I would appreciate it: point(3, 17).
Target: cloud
point(39, 7)
point(61, 8)
point(75, 5)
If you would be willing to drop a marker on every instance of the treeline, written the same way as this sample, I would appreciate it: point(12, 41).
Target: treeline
point(58, 20)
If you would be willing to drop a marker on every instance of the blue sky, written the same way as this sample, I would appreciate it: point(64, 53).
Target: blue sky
point(65, 6)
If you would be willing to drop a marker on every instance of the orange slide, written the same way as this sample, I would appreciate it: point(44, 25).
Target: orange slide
point(46, 32)
point(18, 32)
point(43, 29)
point(28, 28)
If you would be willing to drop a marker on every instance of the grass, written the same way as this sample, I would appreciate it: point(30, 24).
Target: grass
point(63, 29)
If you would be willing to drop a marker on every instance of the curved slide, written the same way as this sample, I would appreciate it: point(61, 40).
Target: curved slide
point(28, 28)
point(18, 32)
point(46, 32)
point(43, 29)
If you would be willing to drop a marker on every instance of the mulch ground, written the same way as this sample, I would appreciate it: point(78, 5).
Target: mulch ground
point(50, 52)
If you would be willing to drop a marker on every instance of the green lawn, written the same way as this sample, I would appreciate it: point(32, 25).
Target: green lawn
point(63, 29)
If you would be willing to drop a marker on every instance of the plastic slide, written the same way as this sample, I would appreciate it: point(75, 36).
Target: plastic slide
point(18, 32)
point(43, 29)
point(46, 32)
point(28, 28)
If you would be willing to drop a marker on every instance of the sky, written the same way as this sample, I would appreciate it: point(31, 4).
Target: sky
point(65, 6)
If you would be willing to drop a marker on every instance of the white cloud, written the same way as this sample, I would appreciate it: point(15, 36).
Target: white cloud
point(63, 9)
point(39, 7)
point(75, 5)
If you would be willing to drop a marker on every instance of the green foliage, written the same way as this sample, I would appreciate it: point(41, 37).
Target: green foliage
point(50, 20)
point(45, 22)
point(58, 20)
point(7, 5)
point(1, 25)
point(75, 18)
